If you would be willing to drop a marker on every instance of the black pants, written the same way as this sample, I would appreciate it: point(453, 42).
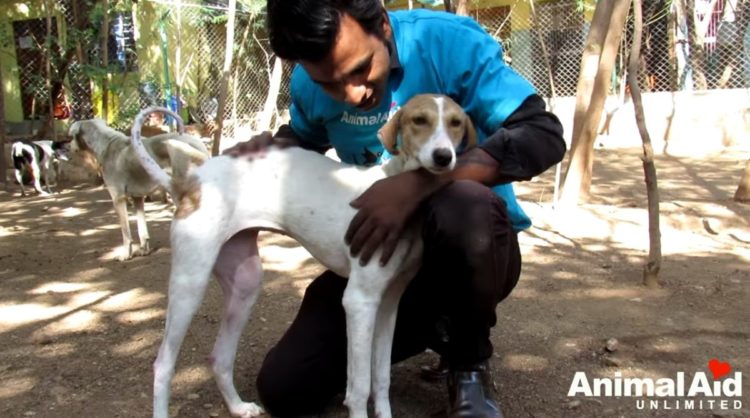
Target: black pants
point(471, 263)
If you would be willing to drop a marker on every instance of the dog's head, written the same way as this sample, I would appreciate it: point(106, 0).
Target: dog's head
point(84, 133)
point(429, 129)
point(61, 150)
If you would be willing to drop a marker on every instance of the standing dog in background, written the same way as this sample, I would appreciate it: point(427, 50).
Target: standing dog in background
point(37, 158)
point(123, 174)
point(225, 201)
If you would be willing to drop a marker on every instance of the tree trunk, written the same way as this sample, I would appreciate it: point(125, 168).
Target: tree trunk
point(82, 103)
point(458, 7)
point(235, 87)
point(594, 83)
point(178, 77)
point(743, 190)
point(553, 92)
point(652, 267)
point(274, 85)
point(48, 130)
point(105, 61)
point(697, 56)
point(3, 161)
point(461, 8)
point(223, 84)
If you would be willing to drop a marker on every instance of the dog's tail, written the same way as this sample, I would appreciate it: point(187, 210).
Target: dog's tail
point(147, 161)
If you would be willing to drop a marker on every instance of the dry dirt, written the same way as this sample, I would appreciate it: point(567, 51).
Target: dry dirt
point(79, 331)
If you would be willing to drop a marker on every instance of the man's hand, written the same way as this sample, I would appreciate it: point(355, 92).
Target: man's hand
point(258, 144)
point(384, 209)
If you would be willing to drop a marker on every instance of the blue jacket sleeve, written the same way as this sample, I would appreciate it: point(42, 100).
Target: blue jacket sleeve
point(311, 132)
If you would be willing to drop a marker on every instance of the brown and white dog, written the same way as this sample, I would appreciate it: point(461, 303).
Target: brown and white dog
point(306, 196)
point(123, 174)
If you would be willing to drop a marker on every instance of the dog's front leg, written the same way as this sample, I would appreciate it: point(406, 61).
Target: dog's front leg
point(121, 208)
point(361, 306)
point(240, 273)
point(383, 343)
point(19, 179)
point(140, 216)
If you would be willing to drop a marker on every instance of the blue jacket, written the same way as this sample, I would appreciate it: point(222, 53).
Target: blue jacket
point(434, 52)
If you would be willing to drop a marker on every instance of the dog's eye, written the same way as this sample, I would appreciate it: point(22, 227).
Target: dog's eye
point(455, 123)
point(419, 120)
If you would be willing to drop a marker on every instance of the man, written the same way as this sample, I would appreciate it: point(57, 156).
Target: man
point(356, 65)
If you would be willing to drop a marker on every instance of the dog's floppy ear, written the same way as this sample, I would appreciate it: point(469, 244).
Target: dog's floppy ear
point(388, 134)
point(470, 135)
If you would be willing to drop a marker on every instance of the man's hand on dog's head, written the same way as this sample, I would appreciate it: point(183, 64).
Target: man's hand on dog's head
point(258, 145)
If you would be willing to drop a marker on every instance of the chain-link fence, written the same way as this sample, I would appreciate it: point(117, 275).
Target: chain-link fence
point(171, 52)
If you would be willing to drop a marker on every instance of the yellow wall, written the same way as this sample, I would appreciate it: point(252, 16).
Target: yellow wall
point(11, 11)
point(148, 41)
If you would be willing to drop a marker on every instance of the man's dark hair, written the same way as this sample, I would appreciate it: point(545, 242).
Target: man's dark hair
point(305, 30)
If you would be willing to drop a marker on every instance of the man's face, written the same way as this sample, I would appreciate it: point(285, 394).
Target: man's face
point(356, 70)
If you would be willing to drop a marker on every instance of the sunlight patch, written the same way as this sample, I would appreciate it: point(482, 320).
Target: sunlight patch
point(139, 343)
point(189, 377)
point(283, 259)
point(77, 321)
point(129, 300)
point(55, 350)
point(525, 362)
point(88, 298)
point(70, 212)
point(27, 313)
point(16, 386)
point(59, 287)
point(142, 315)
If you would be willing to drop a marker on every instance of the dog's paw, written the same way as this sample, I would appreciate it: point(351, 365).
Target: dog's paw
point(124, 253)
point(144, 250)
point(247, 410)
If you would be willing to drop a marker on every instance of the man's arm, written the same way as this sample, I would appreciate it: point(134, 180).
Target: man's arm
point(286, 137)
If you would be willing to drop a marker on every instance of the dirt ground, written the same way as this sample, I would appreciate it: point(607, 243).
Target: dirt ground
point(79, 331)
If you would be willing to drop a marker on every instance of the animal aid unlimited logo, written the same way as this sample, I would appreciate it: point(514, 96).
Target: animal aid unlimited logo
point(721, 390)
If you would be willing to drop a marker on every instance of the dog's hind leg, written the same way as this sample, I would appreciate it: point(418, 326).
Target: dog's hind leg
point(140, 217)
point(192, 261)
point(121, 208)
point(36, 172)
point(240, 273)
point(45, 171)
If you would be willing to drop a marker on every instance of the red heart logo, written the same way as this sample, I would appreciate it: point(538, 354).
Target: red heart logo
point(719, 368)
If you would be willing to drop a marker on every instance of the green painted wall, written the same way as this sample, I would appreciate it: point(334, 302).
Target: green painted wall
point(11, 88)
point(122, 85)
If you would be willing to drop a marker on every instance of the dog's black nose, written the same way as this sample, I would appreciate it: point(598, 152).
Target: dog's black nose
point(442, 157)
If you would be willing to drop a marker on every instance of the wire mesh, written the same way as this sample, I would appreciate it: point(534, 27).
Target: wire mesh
point(703, 46)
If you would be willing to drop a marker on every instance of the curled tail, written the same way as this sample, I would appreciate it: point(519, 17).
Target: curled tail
point(149, 164)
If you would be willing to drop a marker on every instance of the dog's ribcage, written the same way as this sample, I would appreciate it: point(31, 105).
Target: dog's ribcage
point(276, 192)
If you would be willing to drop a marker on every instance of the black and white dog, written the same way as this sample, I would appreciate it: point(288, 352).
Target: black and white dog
point(37, 158)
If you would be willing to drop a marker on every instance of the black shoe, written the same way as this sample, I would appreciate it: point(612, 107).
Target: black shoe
point(470, 392)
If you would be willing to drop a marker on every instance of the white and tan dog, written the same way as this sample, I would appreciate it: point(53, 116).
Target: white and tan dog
point(125, 177)
point(306, 196)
